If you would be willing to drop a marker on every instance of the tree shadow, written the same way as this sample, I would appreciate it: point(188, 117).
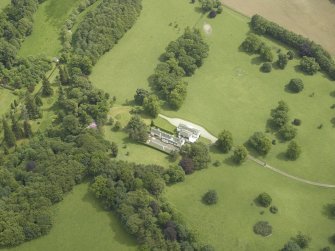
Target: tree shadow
point(198, 10)
point(256, 202)
point(297, 69)
point(230, 162)
point(256, 60)
point(333, 121)
point(275, 66)
point(328, 210)
point(332, 94)
point(282, 156)
point(288, 90)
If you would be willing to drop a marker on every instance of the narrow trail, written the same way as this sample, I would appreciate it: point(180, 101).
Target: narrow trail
point(212, 138)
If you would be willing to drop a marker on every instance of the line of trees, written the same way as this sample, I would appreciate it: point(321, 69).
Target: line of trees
point(305, 46)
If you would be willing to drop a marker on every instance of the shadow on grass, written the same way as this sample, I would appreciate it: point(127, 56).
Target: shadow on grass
point(282, 156)
point(333, 121)
point(256, 60)
point(328, 210)
point(332, 94)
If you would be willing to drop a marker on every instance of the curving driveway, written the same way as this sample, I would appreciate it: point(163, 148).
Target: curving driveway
point(212, 138)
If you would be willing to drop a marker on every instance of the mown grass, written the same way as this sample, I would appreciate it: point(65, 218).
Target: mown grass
point(48, 21)
point(4, 3)
point(82, 224)
point(6, 98)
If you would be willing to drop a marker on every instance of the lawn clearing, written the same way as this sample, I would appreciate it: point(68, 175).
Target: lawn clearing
point(313, 19)
point(82, 224)
point(4, 3)
point(228, 225)
point(48, 21)
point(6, 98)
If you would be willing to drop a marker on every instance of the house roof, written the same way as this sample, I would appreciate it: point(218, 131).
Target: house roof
point(183, 127)
point(167, 136)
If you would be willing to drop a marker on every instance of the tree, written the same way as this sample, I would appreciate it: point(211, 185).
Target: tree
point(9, 136)
point(199, 154)
point(282, 60)
point(280, 114)
point(114, 149)
point(174, 175)
point(262, 228)
point(302, 240)
point(224, 141)
point(240, 154)
point(290, 55)
point(296, 85)
point(251, 44)
point(27, 129)
point(32, 109)
point(264, 199)
point(288, 132)
point(266, 53)
point(151, 105)
point(266, 67)
point(17, 128)
point(291, 246)
point(210, 198)
point(63, 75)
point(293, 151)
point(260, 143)
point(140, 95)
point(137, 129)
point(187, 164)
point(309, 65)
point(38, 100)
point(206, 5)
point(47, 90)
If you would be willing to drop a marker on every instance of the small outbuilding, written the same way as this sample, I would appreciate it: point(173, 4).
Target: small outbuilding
point(188, 133)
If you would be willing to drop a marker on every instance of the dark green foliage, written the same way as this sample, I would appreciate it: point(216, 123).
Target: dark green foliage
point(266, 67)
point(290, 55)
point(137, 130)
point(210, 198)
point(303, 45)
point(264, 199)
point(262, 228)
point(282, 60)
point(251, 44)
point(296, 122)
point(187, 164)
point(117, 126)
point(9, 136)
point(38, 100)
point(174, 175)
point(288, 132)
point(260, 143)
point(309, 65)
point(291, 246)
point(325, 249)
point(198, 153)
point(207, 248)
point(224, 141)
point(114, 149)
point(266, 53)
point(274, 209)
point(140, 95)
point(296, 85)
point(32, 108)
point(151, 105)
point(293, 151)
point(47, 90)
point(211, 5)
point(240, 154)
point(17, 128)
point(302, 240)
point(104, 26)
point(280, 114)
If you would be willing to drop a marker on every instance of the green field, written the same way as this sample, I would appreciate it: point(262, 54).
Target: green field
point(228, 224)
point(48, 21)
point(6, 98)
point(228, 91)
point(4, 3)
point(81, 224)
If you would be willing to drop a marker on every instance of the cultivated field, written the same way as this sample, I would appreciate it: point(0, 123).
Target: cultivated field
point(313, 19)
point(82, 224)
point(48, 21)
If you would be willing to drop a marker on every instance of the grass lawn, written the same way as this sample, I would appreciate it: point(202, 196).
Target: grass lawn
point(48, 21)
point(6, 98)
point(81, 224)
point(228, 91)
point(4, 3)
point(228, 224)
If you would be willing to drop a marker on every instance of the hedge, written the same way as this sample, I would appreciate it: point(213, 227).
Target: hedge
point(305, 46)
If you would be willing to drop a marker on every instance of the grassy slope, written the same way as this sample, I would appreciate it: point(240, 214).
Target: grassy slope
point(228, 91)
point(48, 21)
point(6, 98)
point(81, 224)
point(4, 3)
point(228, 224)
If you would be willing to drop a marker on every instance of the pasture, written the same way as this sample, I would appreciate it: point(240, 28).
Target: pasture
point(48, 21)
point(82, 224)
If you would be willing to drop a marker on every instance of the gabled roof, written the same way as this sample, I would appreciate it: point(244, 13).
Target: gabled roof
point(183, 127)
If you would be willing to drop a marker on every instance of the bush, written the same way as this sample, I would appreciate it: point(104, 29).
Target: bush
point(296, 85)
point(240, 154)
point(263, 228)
point(174, 175)
point(288, 132)
point(212, 14)
point(291, 246)
point(251, 44)
point(210, 197)
point(290, 55)
point(282, 60)
point(264, 199)
point(302, 240)
point(296, 122)
point(325, 249)
point(293, 151)
point(225, 141)
point(266, 53)
point(273, 209)
point(309, 65)
point(260, 143)
point(187, 165)
point(266, 67)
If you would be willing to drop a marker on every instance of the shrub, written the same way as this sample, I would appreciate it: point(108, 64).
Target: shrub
point(251, 44)
point(288, 132)
point(290, 55)
point(266, 67)
point(212, 14)
point(240, 154)
point(264, 199)
point(309, 65)
point(273, 209)
point(293, 151)
point(187, 165)
point(266, 53)
point(174, 175)
point(291, 246)
point(296, 122)
point(263, 228)
point(260, 143)
point(325, 249)
point(296, 85)
point(217, 163)
point(224, 141)
point(207, 248)
point(210, 197)
point(282, 60)
point(302, 240)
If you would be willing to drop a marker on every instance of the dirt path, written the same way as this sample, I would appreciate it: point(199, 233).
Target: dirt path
point(212, 138)
point(314, 19)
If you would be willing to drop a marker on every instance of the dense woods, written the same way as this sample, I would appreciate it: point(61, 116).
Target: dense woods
point(303, 45)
